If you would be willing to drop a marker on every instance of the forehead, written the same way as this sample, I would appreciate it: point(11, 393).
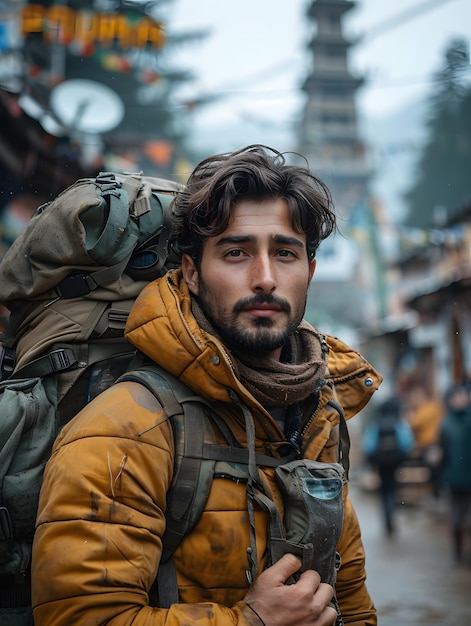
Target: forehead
point(262, 217)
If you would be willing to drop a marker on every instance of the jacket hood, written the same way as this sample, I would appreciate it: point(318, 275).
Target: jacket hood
point(162, 326)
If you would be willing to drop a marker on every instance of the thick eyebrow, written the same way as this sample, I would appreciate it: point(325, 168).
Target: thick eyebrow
point(282, 239)
point(289, 241)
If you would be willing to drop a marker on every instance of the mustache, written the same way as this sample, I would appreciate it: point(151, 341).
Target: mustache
point(262, 298)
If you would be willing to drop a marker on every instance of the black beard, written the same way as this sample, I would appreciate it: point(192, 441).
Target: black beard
point(259, 340)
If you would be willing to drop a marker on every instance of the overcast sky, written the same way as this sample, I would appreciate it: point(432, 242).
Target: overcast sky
point(256, 58)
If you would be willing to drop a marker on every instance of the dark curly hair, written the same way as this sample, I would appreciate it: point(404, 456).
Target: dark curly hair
point(256, 172)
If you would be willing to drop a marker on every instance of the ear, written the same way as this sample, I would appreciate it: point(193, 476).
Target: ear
point(312, 269)
point(190, 274)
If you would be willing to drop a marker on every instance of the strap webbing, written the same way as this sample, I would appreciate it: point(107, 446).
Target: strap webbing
point(162, 244)
point(167, 586)
point(344, 436)
point(52, 362)
point(230, 454)
point(68, 356)
point(81, 283)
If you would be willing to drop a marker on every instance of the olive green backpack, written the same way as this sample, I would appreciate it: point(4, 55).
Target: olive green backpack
point(68, 281)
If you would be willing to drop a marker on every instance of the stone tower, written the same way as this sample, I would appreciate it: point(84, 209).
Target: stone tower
point(342, 296)
point(328, 134)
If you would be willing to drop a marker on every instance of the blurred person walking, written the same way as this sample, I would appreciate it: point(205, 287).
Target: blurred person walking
point(425, 417)
point(455, 441)
point(387, 441)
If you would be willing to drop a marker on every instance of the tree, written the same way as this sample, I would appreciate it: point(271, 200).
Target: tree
point(441, 186)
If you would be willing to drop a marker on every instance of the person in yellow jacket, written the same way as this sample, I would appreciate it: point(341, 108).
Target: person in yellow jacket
point(425, 417)
point(230, 325)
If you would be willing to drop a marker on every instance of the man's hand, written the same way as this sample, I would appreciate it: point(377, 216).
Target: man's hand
point(304, 603)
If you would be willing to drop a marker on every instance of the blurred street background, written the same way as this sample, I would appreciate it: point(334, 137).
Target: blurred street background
point(376, 96)
point(412, 576)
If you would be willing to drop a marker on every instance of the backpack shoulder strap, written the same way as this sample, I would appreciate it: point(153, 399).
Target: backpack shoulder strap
point(192, 474)
point(344, 437)
point(194, 424)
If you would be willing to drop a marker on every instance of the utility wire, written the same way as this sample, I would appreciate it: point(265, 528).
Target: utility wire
point(401, 18)
point(375, 31)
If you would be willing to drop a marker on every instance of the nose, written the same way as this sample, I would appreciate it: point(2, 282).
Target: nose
point(262, 274)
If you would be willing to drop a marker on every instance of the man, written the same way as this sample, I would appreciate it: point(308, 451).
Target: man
point(455, 447)
point(387, 442)
point(230, 325)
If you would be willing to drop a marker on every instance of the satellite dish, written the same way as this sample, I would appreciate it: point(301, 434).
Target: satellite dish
point(35, 110)
point(86, 105)
point(52, 126)
point(30, 106)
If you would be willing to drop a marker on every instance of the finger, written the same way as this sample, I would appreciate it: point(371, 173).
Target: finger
point(310, 588)
point(323, 594)
point(311, 577)
point(288, 565)
point(320, 607)
point(331, 616)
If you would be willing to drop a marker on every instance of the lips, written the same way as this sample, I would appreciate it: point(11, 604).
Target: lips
point(262, 305)
point(262, 310)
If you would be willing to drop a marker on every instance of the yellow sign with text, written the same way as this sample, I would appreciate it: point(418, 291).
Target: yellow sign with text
point(61, 24)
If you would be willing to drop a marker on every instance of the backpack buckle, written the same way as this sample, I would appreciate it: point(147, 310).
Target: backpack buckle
point(6, 526)
point(7, 362)
point(106, 178)
point(75, 285)
point(60, 359)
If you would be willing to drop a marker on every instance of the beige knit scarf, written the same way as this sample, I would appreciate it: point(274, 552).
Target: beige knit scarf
point(274, 383)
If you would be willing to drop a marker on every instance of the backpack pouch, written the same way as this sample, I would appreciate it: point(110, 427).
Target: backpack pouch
point(312, 495)
point(27, 433)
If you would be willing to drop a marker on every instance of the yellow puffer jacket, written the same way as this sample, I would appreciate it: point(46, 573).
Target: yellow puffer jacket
point(102, 507)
